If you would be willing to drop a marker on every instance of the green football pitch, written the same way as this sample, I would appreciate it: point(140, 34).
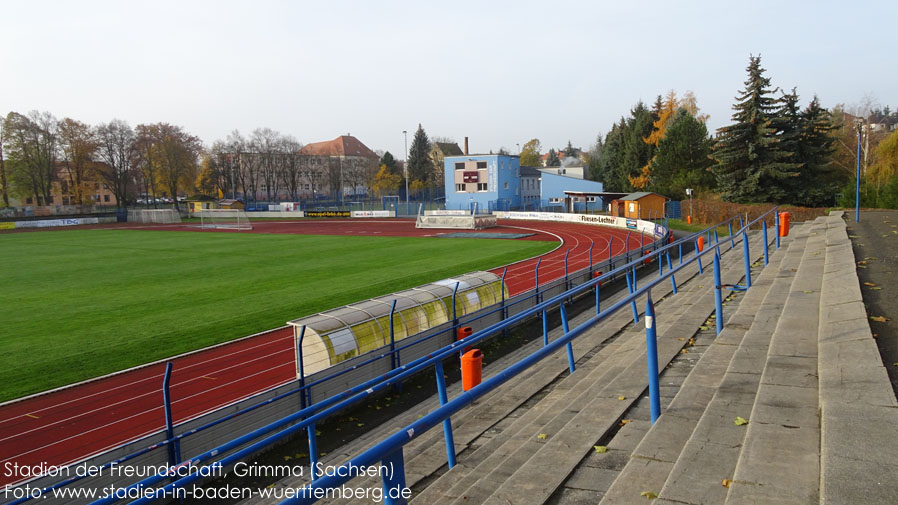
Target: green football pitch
point(78, 304)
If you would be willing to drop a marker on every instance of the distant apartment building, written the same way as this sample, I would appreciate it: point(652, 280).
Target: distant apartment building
point(66, 191)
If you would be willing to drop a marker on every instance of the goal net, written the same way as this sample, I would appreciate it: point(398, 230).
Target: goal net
point(155, 216)
point(224, 219)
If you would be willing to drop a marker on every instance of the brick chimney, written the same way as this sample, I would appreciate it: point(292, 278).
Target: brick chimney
point(466, 146)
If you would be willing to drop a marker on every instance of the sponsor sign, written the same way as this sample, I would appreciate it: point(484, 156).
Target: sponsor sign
point(52, 223)
point(328, 213)
point(631, 224)
point(444, 212)
point(372, 213)
point(7, 226)
point(471, 176)
point(618, 222)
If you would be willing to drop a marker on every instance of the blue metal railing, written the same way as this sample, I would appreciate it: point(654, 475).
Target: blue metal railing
point(389, 451)
point(325, 408)
point(308, 417)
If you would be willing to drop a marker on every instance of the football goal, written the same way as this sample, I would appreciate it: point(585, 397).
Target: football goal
point(224, 219)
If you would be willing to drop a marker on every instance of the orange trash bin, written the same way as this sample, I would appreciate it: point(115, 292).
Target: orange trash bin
point(471, 369)
point(689, 219)
point(784, 223)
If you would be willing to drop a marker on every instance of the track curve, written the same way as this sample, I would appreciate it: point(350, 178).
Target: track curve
point(72, 423)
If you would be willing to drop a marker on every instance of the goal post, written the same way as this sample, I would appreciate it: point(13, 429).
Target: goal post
point(224, 219)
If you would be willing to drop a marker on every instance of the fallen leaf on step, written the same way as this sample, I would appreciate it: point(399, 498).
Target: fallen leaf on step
point(288, 457)
point(360, 425)
point(740, 421)
point(726, 482)
point(542, 436)
point(691, 341)
point(703, 328)
point(879, 319)
point(876, 289)
point(684, 338)
point(869, 284)
point(852, 236)
point(700, 287)
point(648, 494)
point(684, 351)
point(807, 291)
point(621, 397)
point(600, 449)
point(871, 258)
point(624, 421)
point(894, 364)
point(861, 262)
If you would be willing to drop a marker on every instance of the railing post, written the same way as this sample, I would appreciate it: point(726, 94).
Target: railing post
point(393, 478)
point(502, 288)
point(610, 255)
point(747, 260)
point(545, 329)
point(454, 316)
point(777, 222)
point(651, 350)
point(313, 449)
point(566, 328)
point(591, 244)
point(568, 252)
point(698, 260)
point(597, 298)
point(732, 238)
point(680, 247)
point(673, 280)
point(628, 247)
point(536, 276)
point(393, 337)
point(302, 372)
point(766, 245)
point(718, 297)
point(631, 288)
point(717, 243)
point(447, 423)
point(174, 448)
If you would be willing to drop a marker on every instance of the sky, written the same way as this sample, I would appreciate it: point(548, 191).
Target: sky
point(497, 72)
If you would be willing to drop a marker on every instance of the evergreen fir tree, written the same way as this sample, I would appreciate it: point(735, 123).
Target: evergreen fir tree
point(751, 167)
point(420, 166)
point(569, 150)
point(636, 153)
point(787, 122)
point(683, 157)
point(552, 160)
point(390, 162)
point(818, 179)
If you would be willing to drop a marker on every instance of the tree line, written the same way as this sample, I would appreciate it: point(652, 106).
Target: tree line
point(773, 151)
point(37, 151)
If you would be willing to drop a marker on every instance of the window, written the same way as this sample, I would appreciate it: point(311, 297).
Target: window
point(105, 186)
point(49, 200)
point(482, 186)
point(29, 201)
point(481, 164)
point(106, 198)
point(460, 188)
point(460, 166)
point(506, 185)
point(555, 200)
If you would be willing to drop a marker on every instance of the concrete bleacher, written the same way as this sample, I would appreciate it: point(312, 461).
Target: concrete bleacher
point(796, 360)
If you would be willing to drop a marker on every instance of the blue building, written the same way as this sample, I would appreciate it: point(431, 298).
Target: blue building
point(498, 182)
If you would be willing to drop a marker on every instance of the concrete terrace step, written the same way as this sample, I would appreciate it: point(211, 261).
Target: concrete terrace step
point(517, 471)
point(859, 418)
point(779, 457)
point(426, 455)
point(492, 417)
point(656, 456)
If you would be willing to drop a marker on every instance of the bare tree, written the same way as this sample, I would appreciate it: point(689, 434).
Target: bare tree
point(291, 171)
point(266, 144)
point(146, 159)
point(78, 145)
point(314, 169)
point(4, 182)
point(31, 146)
point(358, 173)
point(118, 150)
point(178, 153)
point(236, 145)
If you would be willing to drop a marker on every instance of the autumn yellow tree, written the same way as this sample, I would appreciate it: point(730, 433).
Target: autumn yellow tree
point(668, 110)
point(386, 182)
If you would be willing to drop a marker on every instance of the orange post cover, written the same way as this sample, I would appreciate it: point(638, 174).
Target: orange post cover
point(701, 244)
point(471, 369)
point(597, 274)
point(689, 219)
point(785, 217)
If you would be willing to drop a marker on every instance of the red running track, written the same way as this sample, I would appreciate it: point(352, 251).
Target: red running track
point(76, 422)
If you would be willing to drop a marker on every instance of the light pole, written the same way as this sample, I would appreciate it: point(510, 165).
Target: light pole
point(689, 192)
point(405, 168)
point(857, 189)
